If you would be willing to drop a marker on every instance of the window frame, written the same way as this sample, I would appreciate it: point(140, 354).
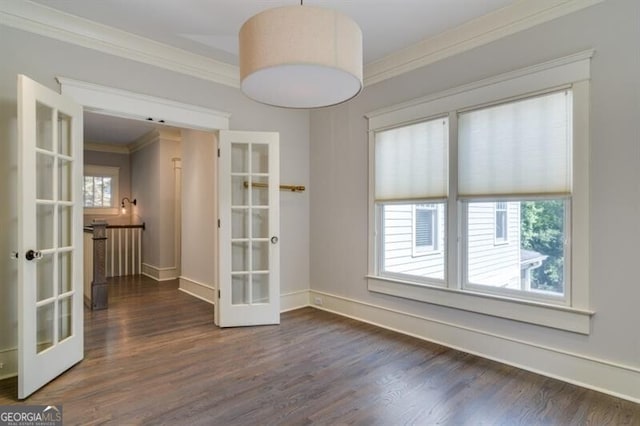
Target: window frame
point(104, 171)
point(569, 72)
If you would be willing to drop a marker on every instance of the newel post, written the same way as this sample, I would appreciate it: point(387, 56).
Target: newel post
point(99, 282)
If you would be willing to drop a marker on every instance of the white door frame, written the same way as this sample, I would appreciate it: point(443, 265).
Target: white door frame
point(125, 104)
point(121, 103)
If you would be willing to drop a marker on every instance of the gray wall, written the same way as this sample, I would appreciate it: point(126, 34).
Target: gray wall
point(152, 185)
point(339, 177)
point(43, 59)
point(199, 207)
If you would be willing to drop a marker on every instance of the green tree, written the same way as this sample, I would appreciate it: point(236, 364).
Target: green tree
point(542, 230)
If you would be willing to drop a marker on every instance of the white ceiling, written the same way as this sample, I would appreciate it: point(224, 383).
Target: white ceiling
point(105, 129)
point(210, 28)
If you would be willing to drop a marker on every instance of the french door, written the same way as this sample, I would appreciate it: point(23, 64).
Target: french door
point(50, 299)
point(249, 280)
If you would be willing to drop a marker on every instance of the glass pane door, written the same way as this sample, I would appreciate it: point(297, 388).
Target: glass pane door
point(249, 285)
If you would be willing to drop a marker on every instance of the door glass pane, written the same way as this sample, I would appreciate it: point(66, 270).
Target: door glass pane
point(64, 134)
point(259, 158)
point(260, 288)
point(65, 268)
point(239, 192)
point(260, 261)
point(240, 223)
point(44, 326)
point(260, 195)
point(44, 176)
point(64, 318)
point(239, 256)
point(64, 229)
point(240, 290)
point(260, 223)
point(44, 277)
point(64, 180)
point(44, 127)
point(44, 226)
point(239, 158)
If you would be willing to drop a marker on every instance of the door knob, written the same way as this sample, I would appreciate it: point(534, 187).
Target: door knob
point(274, 240)
point(33, 255)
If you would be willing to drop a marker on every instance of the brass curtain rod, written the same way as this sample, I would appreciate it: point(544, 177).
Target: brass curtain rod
point(292, 188)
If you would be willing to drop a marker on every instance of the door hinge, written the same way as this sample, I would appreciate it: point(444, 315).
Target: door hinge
point(218, 223)
point(218, 152)
point(218, 293)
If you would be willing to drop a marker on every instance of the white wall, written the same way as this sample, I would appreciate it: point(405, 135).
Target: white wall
point(199, 213)
point(609, 357)
point(43, 59)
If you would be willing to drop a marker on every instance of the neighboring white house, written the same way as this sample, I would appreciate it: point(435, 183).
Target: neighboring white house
point(414, 243)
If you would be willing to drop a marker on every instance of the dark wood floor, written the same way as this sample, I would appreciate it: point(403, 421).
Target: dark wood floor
point(155, 357)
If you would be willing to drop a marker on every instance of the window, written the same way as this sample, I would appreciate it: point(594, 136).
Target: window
point(100, 189)
point(520, 149)
point(412, 164)
point(502, 222)
point(425, 228)
point(480, 200)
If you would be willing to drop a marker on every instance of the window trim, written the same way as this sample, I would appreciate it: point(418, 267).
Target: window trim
point(572, 71)
point(114, 174)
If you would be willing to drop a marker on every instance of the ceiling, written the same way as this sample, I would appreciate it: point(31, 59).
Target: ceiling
point(105, 129)
point(210, 28)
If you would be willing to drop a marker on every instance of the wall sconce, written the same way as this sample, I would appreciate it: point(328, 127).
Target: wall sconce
point(122, 206)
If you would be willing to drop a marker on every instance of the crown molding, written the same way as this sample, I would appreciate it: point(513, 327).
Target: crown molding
point(43, 20)
point(36, 18)
point(147, 139)
point(168, 134)
point(477, 32)
point(104, 147)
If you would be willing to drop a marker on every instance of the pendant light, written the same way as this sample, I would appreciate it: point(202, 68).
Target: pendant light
point(300, 57)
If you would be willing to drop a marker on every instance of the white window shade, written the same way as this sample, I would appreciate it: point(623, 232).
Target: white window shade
point(517, 148)
point(411, 162)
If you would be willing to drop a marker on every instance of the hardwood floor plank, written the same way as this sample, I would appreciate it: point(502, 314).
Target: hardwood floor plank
point(155, 357)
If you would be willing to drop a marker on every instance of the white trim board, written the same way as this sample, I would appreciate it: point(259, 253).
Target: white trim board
point(122, 103)
point(52, 23)
point(294, 300)
point(288, 301)
point(511, 19)
point(39, 19)
point(622, 381)
point(198, 289)
point(159, 274)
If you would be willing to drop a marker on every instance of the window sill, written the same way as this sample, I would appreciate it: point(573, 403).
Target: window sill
point(559, 317)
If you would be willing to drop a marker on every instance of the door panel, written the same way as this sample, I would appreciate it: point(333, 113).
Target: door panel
point(50, 321)
point(249, 229)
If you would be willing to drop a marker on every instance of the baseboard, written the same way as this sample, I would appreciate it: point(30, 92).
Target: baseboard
point(9, 361)
point(294, 300)
point(197, 289)
point(159, 274)
point(604, 376)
